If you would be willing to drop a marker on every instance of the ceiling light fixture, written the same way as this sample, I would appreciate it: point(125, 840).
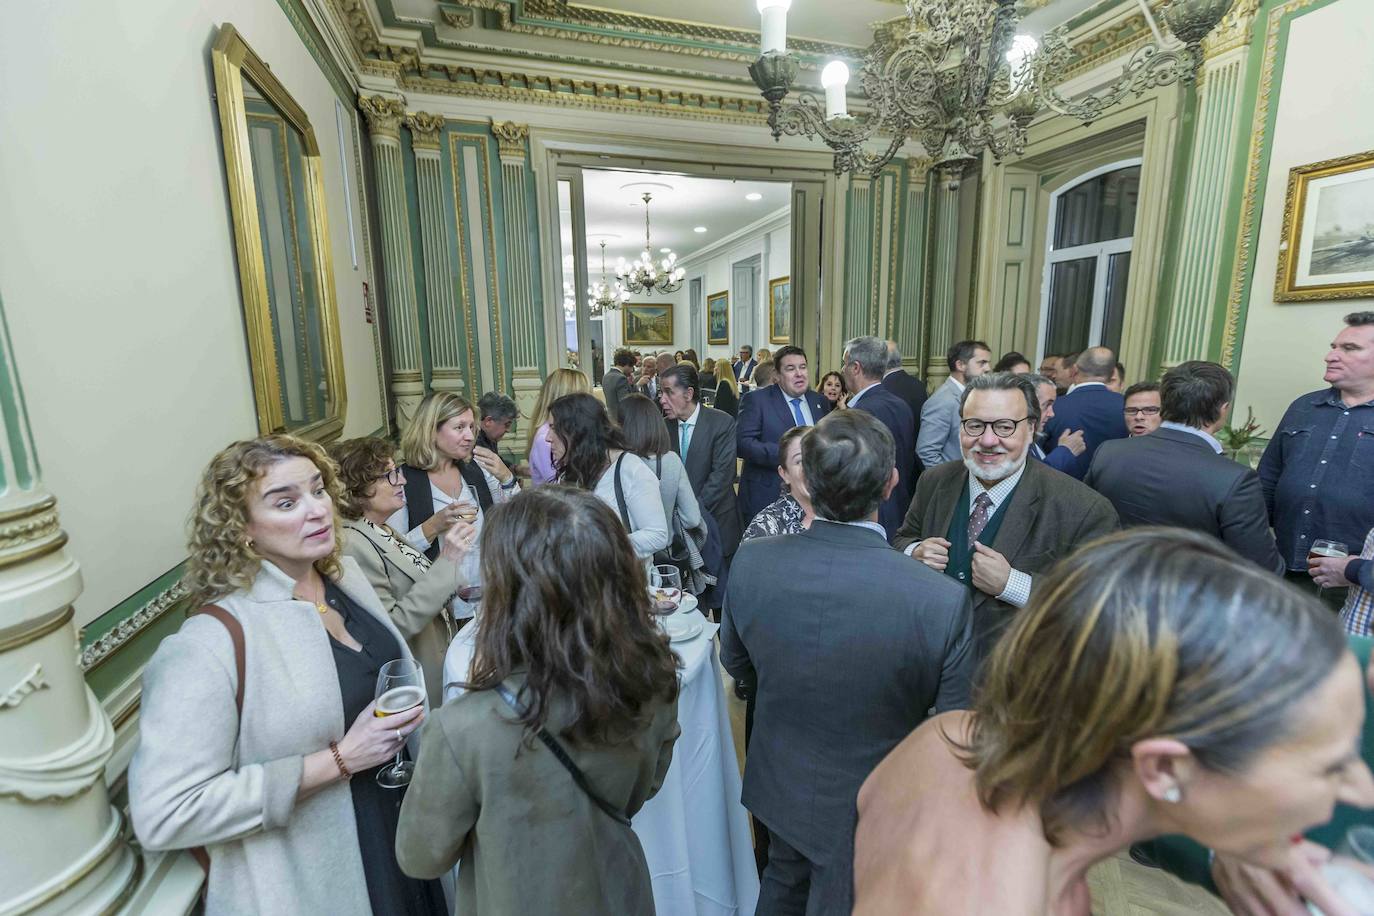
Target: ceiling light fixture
point(602, 296)
point(644, 276)
point(699, 229)
point(753, 196)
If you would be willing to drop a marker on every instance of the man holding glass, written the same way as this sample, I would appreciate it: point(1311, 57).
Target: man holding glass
point(995, 520)
point(1318, 469)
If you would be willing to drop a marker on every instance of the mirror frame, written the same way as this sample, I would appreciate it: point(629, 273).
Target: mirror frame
point(234, 61)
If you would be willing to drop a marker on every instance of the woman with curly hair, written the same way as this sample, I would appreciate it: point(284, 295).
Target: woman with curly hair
point(416, 592)
point(257, 715)
point(562, 656)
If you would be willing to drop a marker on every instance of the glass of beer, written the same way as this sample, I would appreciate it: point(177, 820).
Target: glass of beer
point(1324, 548)
point(400, 687)
point(665, 589)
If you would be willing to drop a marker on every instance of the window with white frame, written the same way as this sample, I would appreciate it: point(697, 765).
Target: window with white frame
point(1088, 264)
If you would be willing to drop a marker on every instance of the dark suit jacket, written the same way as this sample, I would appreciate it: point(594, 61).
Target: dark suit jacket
point(912, 391)
point(801, 612)
point(710, 465)
point(614, 386)
point(1172, 477)
point(764, 415)
point(1050, 515)
point(744, 371)
point(1098, 411)
point(726, 401)
point(896, 416)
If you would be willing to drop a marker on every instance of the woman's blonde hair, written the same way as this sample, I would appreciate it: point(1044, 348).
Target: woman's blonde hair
point(222, 559)
point(1149, 632)
point(559, 383)
point(728, 377)
point(417, 441)
point(709, 365)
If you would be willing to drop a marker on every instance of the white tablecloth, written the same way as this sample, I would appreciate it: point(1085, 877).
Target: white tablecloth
point(695, 832)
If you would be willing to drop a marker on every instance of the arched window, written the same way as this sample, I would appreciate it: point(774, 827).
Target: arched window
point(1088, 264)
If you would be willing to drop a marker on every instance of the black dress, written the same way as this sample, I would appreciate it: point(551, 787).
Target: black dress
point(726, 400)
point(376, 809)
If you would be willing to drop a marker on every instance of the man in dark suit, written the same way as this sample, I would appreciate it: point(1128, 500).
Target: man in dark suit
point(764, 415)
point(1059, 455)
point(1090, 406)
point(865, 361)
point(743, 365)
point(995, 520)
point(653, 369)
point(616, 384)
point(1177, 474)
point(796, 623)
point(908, 387)
point(705, 438)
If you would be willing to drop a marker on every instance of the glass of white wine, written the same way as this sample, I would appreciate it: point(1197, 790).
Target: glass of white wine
point(469, 571)
point(400, 687)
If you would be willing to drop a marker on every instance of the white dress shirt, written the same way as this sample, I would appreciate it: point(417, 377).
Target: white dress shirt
point(805, 408)
point(1202, 434)
point(689, 424)
point(1073, 388)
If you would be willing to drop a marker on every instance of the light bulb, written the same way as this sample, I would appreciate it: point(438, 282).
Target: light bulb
point(774, 31)
point(834, 78)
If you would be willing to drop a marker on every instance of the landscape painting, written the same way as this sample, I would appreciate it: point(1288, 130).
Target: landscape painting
point(1327, 250)
point(718, 318)
point(647, 325)
point(780, 310)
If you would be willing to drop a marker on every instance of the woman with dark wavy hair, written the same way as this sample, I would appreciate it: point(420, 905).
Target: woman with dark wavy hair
point(590, 452)
point(567, 653)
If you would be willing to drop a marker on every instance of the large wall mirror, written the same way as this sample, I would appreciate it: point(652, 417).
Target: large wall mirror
point(281, 236)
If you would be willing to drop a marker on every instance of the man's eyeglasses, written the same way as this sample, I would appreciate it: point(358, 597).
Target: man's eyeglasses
point(393, 477)
point(1142, 411)
point(1000, 428)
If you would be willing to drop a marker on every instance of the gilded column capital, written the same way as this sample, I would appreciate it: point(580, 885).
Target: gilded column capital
point(1233, 31)
point(918, 169)
point(383, 115)
point(425, 129)
point(511, 137)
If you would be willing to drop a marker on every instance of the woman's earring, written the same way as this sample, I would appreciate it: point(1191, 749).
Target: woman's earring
point(1173, 795)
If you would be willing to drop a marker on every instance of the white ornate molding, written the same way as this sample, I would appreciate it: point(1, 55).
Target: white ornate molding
point(29, 683)
point(66, 772)
point(130, 627)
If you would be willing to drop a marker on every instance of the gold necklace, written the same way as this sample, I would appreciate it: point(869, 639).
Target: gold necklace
point(319, 605)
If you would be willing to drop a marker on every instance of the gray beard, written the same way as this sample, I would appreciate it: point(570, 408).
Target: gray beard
point(1002, 471)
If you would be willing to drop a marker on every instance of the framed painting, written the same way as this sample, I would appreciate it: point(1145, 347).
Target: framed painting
point(1327, 248)
point(645, 324)
point(780, 310)
point(718, 318)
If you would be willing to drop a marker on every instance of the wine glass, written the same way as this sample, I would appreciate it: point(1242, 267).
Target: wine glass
point(665, 587)
point(400, 687)
point(1325, 548)
point(469, 570)
point(1351, 881)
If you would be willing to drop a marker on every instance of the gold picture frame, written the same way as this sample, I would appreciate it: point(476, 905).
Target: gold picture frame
point(647, 324)
point(780, 310)
point(313, 401)
point(718, 318)
point(1327, 247)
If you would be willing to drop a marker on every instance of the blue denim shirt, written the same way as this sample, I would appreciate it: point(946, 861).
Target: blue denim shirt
point(1318, 475)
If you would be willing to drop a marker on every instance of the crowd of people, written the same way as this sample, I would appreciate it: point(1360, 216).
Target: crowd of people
point(1012, 628)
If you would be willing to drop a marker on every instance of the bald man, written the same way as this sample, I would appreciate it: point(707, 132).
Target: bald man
point(1090, 406)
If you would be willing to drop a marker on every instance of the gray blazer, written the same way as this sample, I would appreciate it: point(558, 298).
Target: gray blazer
point(938, 438)
point(205, 776)
point(712, 470)
point(1172, 477)
point(851, 644)
point(417, 599)
point(1050, 515)
point(614, 386)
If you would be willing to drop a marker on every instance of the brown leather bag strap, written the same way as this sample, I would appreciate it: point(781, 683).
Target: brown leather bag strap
point(231, 623)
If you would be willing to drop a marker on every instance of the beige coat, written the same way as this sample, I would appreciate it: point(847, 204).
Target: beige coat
point(416, 599)
point(203, 776)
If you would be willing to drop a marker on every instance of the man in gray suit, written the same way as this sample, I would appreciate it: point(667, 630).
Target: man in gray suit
point(652, 370)
point(705, 439)
point(801, 611)
point(616, 384)
point(938, 437)
point(1178, 476)
point(994, 521)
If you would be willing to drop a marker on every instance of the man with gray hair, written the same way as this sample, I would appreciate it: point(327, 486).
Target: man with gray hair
point(906, 386)
point(662, 363)
point(497, 413)
point(994, 521)
point(865, 362)
point(819, 729)
point(1090, 406)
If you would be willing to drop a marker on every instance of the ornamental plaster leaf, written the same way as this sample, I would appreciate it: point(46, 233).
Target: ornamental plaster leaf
point(29, 683)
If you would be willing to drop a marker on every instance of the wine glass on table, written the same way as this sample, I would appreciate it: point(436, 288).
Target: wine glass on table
point(400, 687)
point(665, 587)
point(1325, 548)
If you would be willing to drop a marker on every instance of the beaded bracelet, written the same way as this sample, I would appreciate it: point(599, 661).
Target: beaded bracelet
point(338, 761)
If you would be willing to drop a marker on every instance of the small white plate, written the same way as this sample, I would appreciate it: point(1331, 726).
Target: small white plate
point(682, 629)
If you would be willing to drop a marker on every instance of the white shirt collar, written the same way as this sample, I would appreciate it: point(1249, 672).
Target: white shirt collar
point(861, 523)
point(999, 491)
point(957, 384)
point(1202, 434)
point(864, 391)
point(1073, 388)
point(692, 420)
point(890, 371)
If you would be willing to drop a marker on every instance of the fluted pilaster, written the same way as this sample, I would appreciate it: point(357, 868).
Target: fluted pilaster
point(859, 256)
point(942, 283)
point(911, 305)
point(384, 118)
point(63, 848)
point(441, 283)
point(1196, 284)
point(526, 323)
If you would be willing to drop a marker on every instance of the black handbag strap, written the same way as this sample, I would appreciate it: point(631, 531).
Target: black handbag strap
point(562, 757)
point(620, 496)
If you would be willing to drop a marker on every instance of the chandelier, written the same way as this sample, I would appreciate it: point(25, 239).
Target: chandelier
point(956, 76)
point(644, 276)
point(602, 296)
